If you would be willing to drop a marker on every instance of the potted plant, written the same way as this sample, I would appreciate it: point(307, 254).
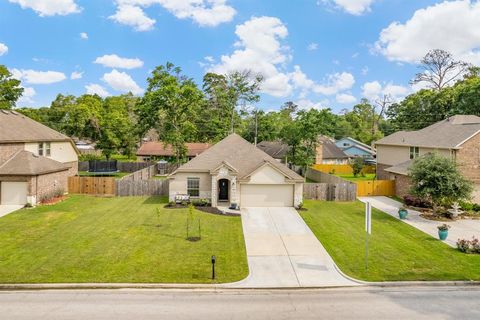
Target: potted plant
point(443, 231)
point(402, 212)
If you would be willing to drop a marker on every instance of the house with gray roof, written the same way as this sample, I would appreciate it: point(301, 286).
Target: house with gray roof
point(457, 137)
point(355, 148)
point(35, 160)
point(234, 171)
point(328, 152)
point(276, 149)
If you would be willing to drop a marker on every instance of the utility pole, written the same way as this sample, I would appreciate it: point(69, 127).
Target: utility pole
point(256, 126)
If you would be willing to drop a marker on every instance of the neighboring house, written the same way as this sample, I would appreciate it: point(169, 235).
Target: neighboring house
point(328, 153)
point(35, 161)
point(457, 137)
point(275, 149)
point(155, 150)
point(355, 148)
point(235, 171)
point(86, 147)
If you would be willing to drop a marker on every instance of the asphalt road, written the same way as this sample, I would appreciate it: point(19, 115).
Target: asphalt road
point(357, 303)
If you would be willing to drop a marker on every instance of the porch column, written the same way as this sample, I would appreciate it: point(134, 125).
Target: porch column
point(214, 191)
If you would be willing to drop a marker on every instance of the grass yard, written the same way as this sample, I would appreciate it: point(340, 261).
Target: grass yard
point(397, 250)
point(350, 177)
point(88, 239)
point(116, 175)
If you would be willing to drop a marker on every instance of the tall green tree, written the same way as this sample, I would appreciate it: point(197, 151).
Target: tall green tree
point(10, 89)
point(171, 104)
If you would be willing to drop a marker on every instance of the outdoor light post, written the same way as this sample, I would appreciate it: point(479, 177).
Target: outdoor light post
point(213, 267)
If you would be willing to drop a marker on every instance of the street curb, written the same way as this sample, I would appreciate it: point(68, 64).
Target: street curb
point(222, 287)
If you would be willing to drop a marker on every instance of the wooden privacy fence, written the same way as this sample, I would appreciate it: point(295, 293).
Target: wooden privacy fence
point(143, 174)
point(99, 186)
point(330, 191)
point(340, 168)
point(328, 187)
point(376, 188)
point(152, 187)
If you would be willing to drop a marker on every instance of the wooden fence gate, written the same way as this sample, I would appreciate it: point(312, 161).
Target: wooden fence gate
point(375, 188)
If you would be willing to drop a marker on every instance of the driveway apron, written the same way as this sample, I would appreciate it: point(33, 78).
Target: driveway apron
point(283, 252)
point(6, 209)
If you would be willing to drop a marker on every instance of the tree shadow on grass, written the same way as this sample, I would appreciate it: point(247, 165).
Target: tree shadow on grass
point(156, 200)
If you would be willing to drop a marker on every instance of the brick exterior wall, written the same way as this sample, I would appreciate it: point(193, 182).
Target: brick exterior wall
point(468, 159)
point(73, 171)
point(402, 185)
point(382, 174)
point(319, 154)
point(48, 185)
point(8, 150)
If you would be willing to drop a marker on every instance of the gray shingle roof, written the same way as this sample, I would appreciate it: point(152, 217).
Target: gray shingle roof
point(237, 152)
point(275, 149)
point(15, 127)
point(25, 163)
point(401, 168)
point(330, 149)
point(449, 133)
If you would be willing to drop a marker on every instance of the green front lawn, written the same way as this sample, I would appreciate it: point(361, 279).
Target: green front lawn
point(350, 177)
point(397, 250)
point(88, 239)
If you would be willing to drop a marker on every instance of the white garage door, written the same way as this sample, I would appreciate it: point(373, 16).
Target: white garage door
point(266, 195)
point(14, 193)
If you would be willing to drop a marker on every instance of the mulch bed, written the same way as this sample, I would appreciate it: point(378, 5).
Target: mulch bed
point(52, 201)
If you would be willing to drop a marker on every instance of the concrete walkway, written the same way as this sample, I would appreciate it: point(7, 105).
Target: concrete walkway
point(460, 229)
point(7, 208)
point(283, 252)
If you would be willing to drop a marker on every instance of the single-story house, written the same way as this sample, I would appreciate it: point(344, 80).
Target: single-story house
point(355, 148)
point(328, 153)
point(235, 171)
point(156, 150)
point(35, 160)
point(275, 149)
point(457, 137)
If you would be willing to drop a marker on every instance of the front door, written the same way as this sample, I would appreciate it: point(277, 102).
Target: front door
point(223, 190)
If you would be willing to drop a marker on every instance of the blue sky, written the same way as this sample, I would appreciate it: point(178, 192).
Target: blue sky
point(326, 53)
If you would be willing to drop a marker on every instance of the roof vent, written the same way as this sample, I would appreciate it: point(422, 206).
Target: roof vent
point(15, 112)
point(35, 155)
point(5, 111)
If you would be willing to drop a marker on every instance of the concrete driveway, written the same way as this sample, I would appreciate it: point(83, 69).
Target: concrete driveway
point(9, 208)
point(283, 252)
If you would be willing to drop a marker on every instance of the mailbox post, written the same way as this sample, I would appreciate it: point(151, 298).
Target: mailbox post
point(213, 266)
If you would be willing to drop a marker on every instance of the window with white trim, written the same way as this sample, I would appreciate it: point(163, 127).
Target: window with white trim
point(193, 187)
point(414, 152)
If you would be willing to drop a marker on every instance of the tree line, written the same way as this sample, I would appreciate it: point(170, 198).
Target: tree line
point(179, 110)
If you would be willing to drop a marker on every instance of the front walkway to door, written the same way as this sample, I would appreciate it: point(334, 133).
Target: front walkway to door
point(283, 252)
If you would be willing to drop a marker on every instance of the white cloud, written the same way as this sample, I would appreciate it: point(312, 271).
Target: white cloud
point(344, 98)
point(27, 95)
point(204, 12)
point(260, 50)
point(307, 104)
point(453, 26)
point(374, 90)
point(84, 35)
point(122, 82)
point(355, 7)
point(114, 61)
point(38, 77)
point(365, 70)
point(133, 16)
point(312, 46)
point(335, 83)
point(97, 89)
point(46, 8)
point(76, 75)
point(3, 49)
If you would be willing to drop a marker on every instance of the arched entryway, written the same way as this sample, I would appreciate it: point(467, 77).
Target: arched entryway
point(223, 190)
